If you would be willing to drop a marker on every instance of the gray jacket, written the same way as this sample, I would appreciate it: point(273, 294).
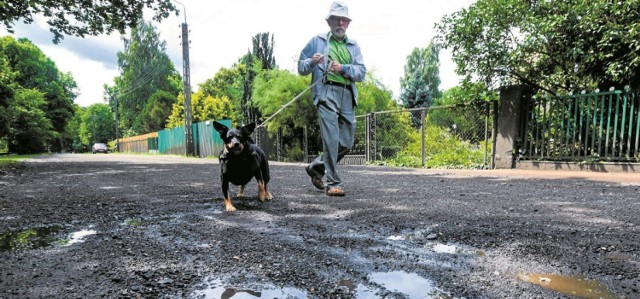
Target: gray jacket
point(354, 71)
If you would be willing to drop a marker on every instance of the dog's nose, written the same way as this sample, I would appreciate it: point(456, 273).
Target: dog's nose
point(235, 145)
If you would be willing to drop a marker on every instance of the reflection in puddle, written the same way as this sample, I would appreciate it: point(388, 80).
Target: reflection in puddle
point(215, 290)
point(444, 248)
point(569, 285)
point(77, 237)
point(409, 284)
point(32, 238)
point(361, 291)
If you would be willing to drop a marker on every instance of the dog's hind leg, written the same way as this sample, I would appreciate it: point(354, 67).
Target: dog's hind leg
point(241, 191)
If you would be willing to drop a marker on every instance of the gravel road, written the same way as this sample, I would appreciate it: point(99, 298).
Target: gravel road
point(144, 226)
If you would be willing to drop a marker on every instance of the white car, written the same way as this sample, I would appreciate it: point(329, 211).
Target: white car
point(99, 148)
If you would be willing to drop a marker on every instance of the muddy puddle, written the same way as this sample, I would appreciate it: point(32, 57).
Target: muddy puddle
point(217, 290)
point(580, 287)
point(41, 237)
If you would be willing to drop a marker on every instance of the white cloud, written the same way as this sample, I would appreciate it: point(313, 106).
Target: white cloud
point(221, 32)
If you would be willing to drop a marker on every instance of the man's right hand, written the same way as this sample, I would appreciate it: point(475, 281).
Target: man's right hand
point(316, 58)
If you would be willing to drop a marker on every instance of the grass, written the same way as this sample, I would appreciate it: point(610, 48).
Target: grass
point(12, 161)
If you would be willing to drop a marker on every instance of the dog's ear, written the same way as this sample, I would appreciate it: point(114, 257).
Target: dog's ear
point(248, 129)
point(222, 129)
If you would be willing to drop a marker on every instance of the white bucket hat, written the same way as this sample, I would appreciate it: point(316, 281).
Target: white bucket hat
point(338, 9)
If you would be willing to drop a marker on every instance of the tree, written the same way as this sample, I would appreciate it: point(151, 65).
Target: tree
point(145, 70)
point(28, 68)
point(29, 127)
point(203, 108)
point(427, 61)
point(555, 46)
point(227, 83)
point(97, 124)
point(82, 18)
point(263, 50)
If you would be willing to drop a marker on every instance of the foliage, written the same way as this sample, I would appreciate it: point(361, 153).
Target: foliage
point(556, 46)
point(146, 83)
point(158, 109)
point(97, 124)
point(82, 18)
point(426, 61)
point(263, 50)
point(29, 127)
point(27, 67)
point(203, 108)
point(373, 95)
point(227, 83)
point(274, 89)
point(469, 117)
point(442, 150)
point(71, 135)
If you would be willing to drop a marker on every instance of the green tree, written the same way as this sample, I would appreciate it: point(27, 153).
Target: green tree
point(263, 50)
point(157, 110)
point(98, 124)
point(555, 46)
point(145, 70)
point(29, 127)
point(203, 108)
point(227, 83)
point(31, 69)
point(426, 61)
point(73, 142)
point(82, 18)
point(6, 94)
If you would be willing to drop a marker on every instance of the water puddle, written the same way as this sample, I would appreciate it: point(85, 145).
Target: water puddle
point(216, 290)
point(40, 237)
point(77, 237)
point(411, 285)
point(361, 291)
point(569, 285)
point(136, 223)
point(32, 238)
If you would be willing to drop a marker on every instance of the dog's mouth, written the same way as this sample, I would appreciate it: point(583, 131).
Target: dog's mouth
point(234, 148)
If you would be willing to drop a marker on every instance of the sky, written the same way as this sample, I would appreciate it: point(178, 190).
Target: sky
point(221, 32)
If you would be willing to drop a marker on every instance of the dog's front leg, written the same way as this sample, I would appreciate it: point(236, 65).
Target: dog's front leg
point(262, 188)
point(227, 198)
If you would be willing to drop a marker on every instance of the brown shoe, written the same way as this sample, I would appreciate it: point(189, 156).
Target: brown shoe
point(316, 179)
point(335, 191)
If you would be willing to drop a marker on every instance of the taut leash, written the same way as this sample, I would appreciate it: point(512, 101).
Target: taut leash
point(294, 99)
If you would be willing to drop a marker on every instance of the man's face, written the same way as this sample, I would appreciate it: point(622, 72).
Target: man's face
point(338, 26)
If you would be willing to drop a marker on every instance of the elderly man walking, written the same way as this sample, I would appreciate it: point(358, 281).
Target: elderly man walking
point(335, 95)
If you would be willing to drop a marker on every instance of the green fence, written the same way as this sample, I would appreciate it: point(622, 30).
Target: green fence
point(601, 126)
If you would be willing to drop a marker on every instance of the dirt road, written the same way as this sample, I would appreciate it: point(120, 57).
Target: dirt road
point(125, 226)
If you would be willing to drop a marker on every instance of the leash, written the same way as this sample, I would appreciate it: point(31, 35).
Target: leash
point(325, 74)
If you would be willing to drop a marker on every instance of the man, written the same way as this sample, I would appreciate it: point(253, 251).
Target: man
point(335, 95)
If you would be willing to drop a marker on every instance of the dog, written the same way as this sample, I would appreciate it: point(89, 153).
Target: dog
point(240, 161)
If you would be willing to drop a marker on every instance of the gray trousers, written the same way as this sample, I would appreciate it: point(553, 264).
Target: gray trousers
point(337, 119)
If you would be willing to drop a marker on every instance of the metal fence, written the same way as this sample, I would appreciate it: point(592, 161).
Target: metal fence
point(447, 136)
point(601, 126)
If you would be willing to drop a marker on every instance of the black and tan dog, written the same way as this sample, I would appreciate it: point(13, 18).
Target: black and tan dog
point(240, 161)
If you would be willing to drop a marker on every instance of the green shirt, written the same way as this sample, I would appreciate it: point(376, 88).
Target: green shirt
point(338, 52)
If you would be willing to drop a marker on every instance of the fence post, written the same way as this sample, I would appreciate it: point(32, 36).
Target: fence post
point(279, 145)
point(305, 145)
point(371, 137)
point(422, 131)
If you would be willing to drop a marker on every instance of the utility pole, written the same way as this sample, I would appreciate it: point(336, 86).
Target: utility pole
point(188, 118)
point(115, 98)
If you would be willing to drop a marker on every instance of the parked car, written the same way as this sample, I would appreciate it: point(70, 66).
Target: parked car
point(99, 148)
